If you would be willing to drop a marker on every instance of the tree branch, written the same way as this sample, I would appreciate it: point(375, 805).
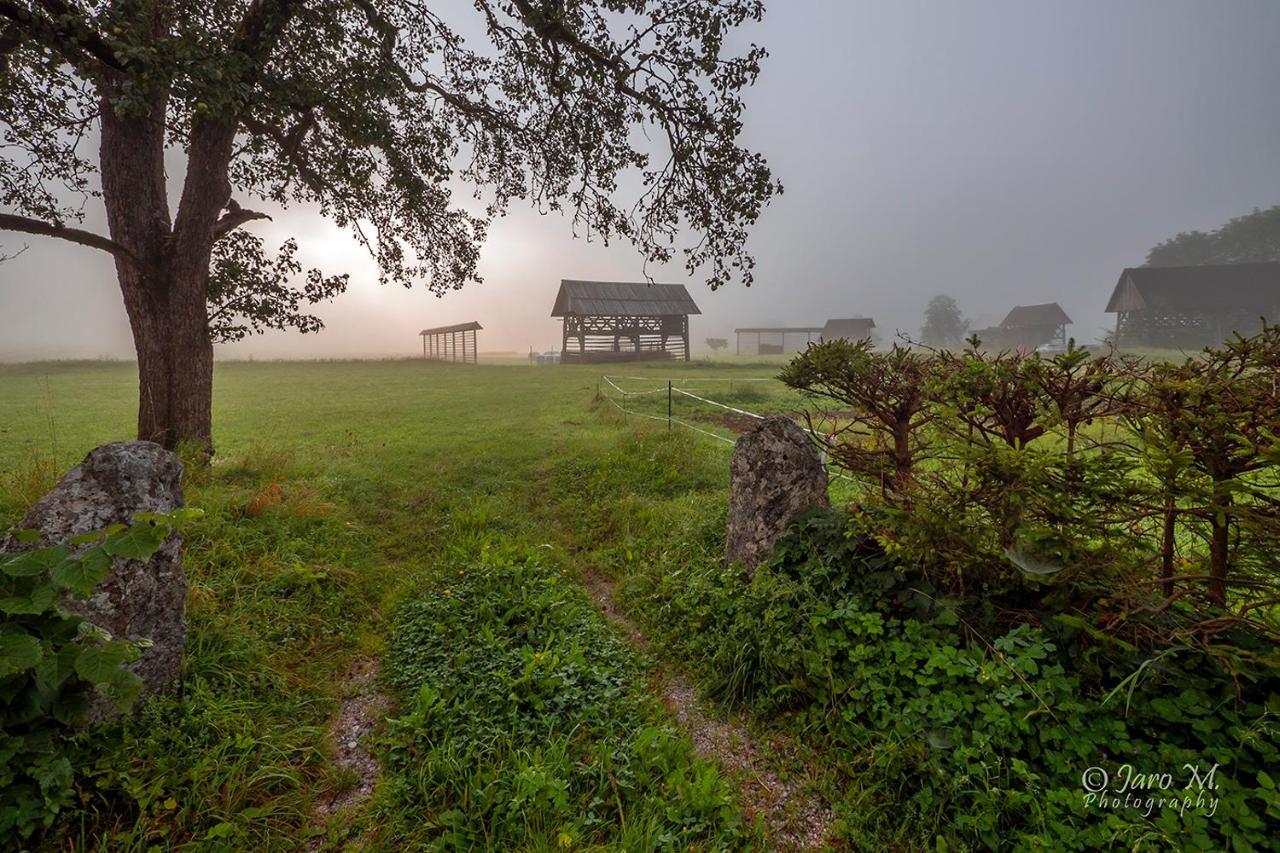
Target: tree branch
point(26, 225)
point(234, 218)
point(65, 33)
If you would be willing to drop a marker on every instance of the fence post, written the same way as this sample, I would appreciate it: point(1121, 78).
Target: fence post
point(668, 405)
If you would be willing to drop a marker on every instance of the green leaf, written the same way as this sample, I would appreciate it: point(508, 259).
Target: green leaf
point(124, 687)
point(18, 653)
point(30, 563)
point(98, 665)
point(53, 775)
point(56, 668)
point(37, 601)
point(82, 574)
point(85, 538)
point(138, 542)
point(70, 708)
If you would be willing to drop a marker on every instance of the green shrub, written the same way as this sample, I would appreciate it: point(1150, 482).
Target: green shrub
point(52, 662)
point(972, 729)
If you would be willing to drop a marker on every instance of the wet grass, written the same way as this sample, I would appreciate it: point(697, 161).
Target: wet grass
point(343, 499)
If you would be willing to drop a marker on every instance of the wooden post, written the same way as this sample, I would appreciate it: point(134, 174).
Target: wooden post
point(669, 405)
point(424, 347)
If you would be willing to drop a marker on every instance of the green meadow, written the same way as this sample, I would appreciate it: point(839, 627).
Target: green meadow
point(433, 520)
point(446, 607)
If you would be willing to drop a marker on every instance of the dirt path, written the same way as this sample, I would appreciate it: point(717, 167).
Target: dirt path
point(796, 818)
point(362, 714)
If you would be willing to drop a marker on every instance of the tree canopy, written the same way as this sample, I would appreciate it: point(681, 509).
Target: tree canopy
point(623, 114)
point(944, 325)
point(1252, 238)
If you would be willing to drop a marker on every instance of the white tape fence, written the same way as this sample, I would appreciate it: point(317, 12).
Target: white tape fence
point(672, 389)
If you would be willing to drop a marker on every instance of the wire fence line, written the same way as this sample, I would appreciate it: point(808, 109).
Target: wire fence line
point(715, 403)
point(823, 442)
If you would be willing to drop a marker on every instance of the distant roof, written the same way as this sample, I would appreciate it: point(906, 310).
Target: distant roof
point(457, 327)
point(852, 329)
point(1223, 287)
point(1024, 316)
point(622, 299)
point(775, 330)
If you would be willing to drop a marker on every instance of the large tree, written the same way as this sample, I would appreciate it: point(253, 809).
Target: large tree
point(1252, 238)
point(944, 325)
point(374, 113)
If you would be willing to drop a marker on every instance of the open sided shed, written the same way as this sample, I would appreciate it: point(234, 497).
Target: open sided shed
point(623, 321)
point(1189, 307)
point(451, 343)
point(853, 329)
point(781, 334)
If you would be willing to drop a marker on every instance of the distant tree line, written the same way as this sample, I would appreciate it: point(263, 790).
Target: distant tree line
point(1253, 238)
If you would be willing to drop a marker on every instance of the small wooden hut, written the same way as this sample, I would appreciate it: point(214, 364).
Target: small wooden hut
point(606, 321)
point(1028, 327)
point(451, 343)
point(1192, 307)
point(853, 329)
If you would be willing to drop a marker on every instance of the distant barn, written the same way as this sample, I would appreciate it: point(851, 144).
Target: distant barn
point(623, 321)
point(1191, 307)
point(852, 329)
point(1028, 327)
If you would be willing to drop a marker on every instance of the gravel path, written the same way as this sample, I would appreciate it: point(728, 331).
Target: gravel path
point(796, 818)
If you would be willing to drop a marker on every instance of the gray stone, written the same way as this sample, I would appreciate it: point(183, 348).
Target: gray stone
point(136, 600)
point(776, 474)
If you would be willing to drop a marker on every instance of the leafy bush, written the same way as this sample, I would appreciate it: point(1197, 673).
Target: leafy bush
point(528, 727)
point(971, 730)
point(1103, 467)
point(52, 662)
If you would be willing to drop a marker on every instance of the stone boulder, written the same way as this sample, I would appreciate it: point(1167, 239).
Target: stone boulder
point(776, 474)
point(136, 600)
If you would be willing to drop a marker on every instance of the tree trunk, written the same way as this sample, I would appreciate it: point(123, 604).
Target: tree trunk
point(902, 461)
point(175, 376)
point(1219, 543)
point(166, 290)
point(1167, 544)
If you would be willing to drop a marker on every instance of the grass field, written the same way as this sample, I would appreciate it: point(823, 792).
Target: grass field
point(434, 520)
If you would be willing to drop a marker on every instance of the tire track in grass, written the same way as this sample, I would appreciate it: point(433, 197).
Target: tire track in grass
point(796, 818)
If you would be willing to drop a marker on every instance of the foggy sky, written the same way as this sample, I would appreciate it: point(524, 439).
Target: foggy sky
point(1004, 153)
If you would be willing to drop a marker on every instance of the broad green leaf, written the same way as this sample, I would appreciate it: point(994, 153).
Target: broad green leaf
point(18, 653)
point(56, 668)
point(124, 687)
point(139, 542)
point(82, 574)
point(70, 708)
point(30, 563)
point(53, 774)
point(98, 665)
point(32, 603)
